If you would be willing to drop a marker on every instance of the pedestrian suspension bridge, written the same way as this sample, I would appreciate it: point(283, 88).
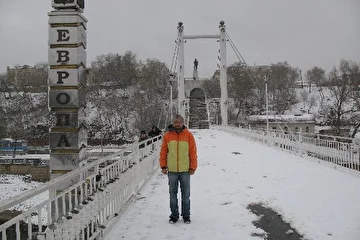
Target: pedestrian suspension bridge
point(90, 207)
point(100, 191)
point(192, 100)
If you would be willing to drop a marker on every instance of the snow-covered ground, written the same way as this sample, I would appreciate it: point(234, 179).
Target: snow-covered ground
point(319, 94)
point(12, 185)
point(320, 202)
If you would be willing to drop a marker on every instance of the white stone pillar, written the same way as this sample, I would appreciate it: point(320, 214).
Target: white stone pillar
point(223, 75)
point(181, 71)
point(67, 82)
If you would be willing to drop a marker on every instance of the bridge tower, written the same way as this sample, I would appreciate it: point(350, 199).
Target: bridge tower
point(181, 71)
point(223, 75)
point(182, 102)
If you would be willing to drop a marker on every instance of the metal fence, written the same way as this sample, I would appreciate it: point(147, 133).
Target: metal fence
point(81, 204)
point(341, 152)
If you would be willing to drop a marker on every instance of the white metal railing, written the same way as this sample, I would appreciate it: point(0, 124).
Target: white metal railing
point(343, 153)
point(93, 195)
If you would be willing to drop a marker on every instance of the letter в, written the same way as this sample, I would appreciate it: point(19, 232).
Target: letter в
point(63, 56)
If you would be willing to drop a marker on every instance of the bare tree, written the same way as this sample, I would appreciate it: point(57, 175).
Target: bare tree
point(281, 86)
point(152, 95)
point(127, 94)
point(353, 79)
point(341, 90)
point(244, 85)
point(109, 109)
point(114, 70)
point(316, 76)
point(24, 110)
point(39, 79)
point(111, 79)
point(153, 77)
point(308, 101)
point(212, 88)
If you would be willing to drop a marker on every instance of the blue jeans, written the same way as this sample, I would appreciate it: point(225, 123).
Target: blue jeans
point(184, 179)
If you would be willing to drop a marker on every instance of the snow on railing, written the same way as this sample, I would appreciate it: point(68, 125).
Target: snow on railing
point(344, 152)
point(96, 194)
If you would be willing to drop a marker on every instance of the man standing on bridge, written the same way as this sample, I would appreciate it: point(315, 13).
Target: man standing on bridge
point(178, 159)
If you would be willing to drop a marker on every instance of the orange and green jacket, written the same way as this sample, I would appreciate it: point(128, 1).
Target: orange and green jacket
point(178, 151)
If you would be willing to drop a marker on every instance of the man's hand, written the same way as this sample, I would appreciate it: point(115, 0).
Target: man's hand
point(191, 171)
point(164, 170)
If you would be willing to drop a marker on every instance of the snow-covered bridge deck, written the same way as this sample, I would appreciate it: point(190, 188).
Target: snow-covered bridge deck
point(319, 201)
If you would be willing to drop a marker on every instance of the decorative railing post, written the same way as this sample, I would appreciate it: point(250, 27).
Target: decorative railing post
point(300, 142)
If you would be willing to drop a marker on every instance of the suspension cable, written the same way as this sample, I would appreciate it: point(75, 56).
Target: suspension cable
point(175, 55)
point(243, 62)
point(218, 60)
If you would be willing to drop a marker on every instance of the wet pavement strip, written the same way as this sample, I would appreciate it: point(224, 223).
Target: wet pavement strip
point(272, 223)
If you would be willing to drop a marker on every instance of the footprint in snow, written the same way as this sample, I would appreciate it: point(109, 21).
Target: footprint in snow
point(226, 203)
point(236, 153)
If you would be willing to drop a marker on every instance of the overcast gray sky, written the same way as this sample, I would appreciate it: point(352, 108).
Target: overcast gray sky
point(305, 33)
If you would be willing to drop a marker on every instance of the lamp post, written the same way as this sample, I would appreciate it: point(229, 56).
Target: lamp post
point(142, 92)
point(267, 105)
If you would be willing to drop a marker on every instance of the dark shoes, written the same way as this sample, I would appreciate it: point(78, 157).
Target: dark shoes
point(187, 220)
point(172, 220)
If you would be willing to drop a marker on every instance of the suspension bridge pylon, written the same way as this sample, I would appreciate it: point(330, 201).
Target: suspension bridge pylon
point(222, 37)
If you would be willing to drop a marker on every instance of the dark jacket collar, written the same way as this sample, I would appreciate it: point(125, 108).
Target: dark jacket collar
point(171, 128)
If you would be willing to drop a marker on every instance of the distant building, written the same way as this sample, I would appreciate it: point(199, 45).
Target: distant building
point(287, 123)
point(21, 77)
point(302, 83)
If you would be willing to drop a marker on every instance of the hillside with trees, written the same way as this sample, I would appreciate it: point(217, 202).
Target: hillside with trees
point(126, 95)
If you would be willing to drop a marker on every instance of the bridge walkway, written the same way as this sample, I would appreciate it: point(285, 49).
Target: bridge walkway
point(319, 201)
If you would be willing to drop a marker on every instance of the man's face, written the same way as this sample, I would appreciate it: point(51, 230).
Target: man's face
point(177, 124)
